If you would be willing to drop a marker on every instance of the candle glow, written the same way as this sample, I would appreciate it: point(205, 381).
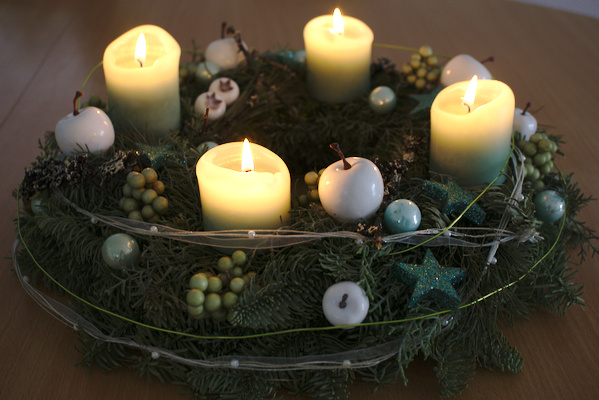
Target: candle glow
point(468, 99)
point(247, 161)
point(338, 28)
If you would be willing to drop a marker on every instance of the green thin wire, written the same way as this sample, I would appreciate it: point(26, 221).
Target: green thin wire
point(283, 332)
point(98, 65)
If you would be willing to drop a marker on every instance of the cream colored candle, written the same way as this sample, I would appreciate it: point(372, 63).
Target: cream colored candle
point(235, 196)
point(143, 90)
point(337, 58)
point(472, 146)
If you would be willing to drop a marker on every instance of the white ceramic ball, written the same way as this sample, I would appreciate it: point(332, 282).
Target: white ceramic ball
point(90, 129)
point(350, 311)
point(227, 88)
point(225, 53)
point(462, 68)
point(353, 194)
point(525, 123)
point(216, 110)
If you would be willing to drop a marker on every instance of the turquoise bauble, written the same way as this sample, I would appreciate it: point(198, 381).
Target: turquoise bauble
point(382, 100)
point(120, 251)
point(402, 216)
point(299, 56)
point(204, 147)
point(549, 206)
point(207, 72)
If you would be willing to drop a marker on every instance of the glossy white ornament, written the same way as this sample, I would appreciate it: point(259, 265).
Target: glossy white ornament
point(90, 129)
point(525, 123)
point(462, 68)
point(225, 53)
point(226, 88)
point(216, 103)
point(345, 303)
point(352, 194)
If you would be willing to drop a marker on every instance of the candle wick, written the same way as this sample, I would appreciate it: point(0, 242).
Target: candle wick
point(78, 94)
point(526, 108)
point(343, 302)
point(466, 106)
point(337, 148)
point(141, 64)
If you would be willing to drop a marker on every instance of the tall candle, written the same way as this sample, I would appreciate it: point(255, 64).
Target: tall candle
point(143, 90)
point(235, 196)
point(472, 144)
point(337, 58)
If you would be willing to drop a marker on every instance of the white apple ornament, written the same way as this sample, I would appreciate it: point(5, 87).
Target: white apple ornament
point(88, 129)
point(227, 88)
point(524, 122)
point(345, 303)
point(350, 189)
point(462, 68)
point(225, 53)
point(215, 104)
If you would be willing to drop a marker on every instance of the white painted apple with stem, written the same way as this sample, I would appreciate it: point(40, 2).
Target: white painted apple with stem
point(87, 130)
point(227, 88)
point(462, 68)
point(524, 122)
point(350, 189)
point(345, 303)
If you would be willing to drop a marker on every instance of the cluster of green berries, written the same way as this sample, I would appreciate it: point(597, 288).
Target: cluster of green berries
point(311, 196)
point(213, 296)
point(539, 151)
point(142, 196)
point(422, 69)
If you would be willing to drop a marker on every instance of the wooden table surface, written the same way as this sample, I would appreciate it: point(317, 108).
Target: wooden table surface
point(547, 57)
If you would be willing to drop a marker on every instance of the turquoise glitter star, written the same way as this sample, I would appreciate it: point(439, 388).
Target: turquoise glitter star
point(454, 199)
point(430, 281)
point(161, 156)
point(425, 101)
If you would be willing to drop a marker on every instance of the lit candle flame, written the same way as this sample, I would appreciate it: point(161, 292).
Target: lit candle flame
point(140, 50)
point(247, 161)
point(468, 99)
point(337, 28)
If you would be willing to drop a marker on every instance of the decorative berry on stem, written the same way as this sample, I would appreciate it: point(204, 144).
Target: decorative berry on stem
point(337, 148)
point(78, 94)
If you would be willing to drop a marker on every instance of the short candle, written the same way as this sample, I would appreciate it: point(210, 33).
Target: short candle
point(236, 196)
point(143, 89)
point(471, 143)
point(337, 58)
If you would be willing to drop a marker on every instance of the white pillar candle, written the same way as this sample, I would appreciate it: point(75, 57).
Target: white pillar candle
point(337, 59)
point(143, 92)
point(472, 146)
point(234, 196)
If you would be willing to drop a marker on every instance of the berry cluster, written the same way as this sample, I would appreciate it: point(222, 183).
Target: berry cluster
point(539, 151)
point(142, 199)
point(311, 178)
point(422, 69)
point(213, 296)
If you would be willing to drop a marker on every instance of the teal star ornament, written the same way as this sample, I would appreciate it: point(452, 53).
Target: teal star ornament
point(161, 156)
point(454, 199)
point(430, 281)
point(425, 101)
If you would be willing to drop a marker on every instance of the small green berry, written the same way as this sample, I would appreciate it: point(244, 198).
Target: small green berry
point(313, 195)
point(529, 149)
point(237, 285)
point(406, 69)
point(541, 158)
point(158, 186)
point(224, 264)
point(147, 212)
point(425, 51)
point(199, 281)
point(127, 190)
point(544, 145)
point(303, 200)
point(129, 204)
point(213, 302)
point(239, 257)
point(160, 204)
point(311, 178)
point(148, 196)
point(536, 138)
point(237, 272)
point(230, 299)
point(195, 311)
point(150, 175)
point(136, 193)
point(214, 284)
point(136, 180)
point(135, 216)
point(195, 297)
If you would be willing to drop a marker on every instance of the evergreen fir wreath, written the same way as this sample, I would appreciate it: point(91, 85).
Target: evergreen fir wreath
point(239, 314)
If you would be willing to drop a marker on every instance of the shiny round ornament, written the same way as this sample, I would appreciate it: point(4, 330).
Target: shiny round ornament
point(462, 68)
point(207, 71)
point(205, 146)
point(549, 206)
point(382, 100)
point(120, 251)
point(345, 303)
point(227, 88)
point(402, 216)
point(91, 130)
